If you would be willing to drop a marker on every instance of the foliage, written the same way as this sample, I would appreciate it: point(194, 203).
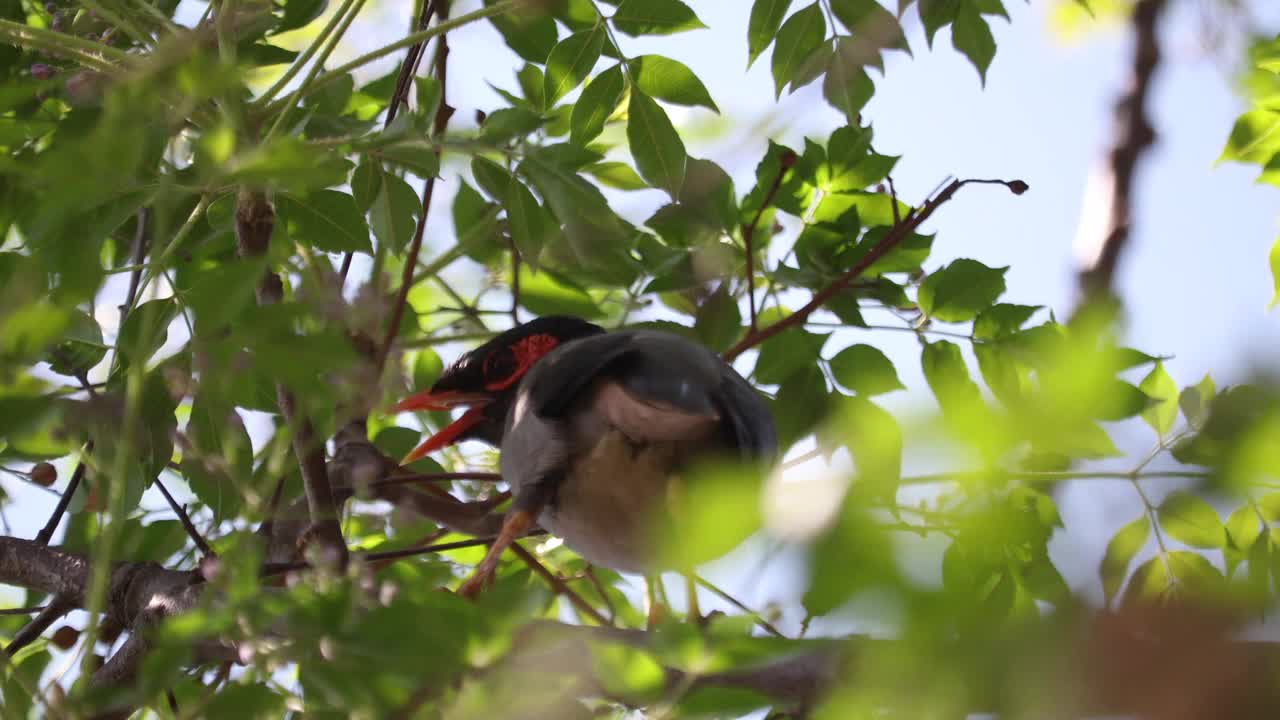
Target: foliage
point(133, 147)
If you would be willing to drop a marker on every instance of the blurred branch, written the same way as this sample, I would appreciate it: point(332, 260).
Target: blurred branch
point(184, 519)
point(1105, 237)
point(60, 509)
point(899, 232)
point(255, 220)
point(785, 163)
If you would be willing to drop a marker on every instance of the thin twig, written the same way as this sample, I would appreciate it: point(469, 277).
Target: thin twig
point(408, 69)
point(443, 113)
point(558, 585)
point(740, 605)
point(139, 255)
point(77, 475)
point(785, 162)
point(896, 234)
point(183, 518)
point(51, 613)
point(23, 610)
point(435, 477)
point(515, 283)
point(269, 569)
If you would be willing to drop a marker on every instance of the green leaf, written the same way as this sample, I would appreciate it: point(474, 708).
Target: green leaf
point(719, 321)
point(786, 354)
point(508, 123)
point(799, 36)
point(935, 14)
point(394, 215)
point(1124, 545)
point(1189, 519)
point(525, 219)
point(531, 84)
point(766, 18)
point(426, 367)
point(490, 176)
point(570, 62)
point(598, 101)
point(1002, 320)
point(475, 223)
point(1274, 261)
point(654, 17)
point(800, 404)
point(961, 290)
point(1163, 410)
point(220, 460)
point(327, 220)
point(531, 35)
point(971, 35)
point(146, 329)
point(656, 146)
point(421, 160)
point(1194, 401)
point(875, 443)
point(865, 370)
point(81, 347)
point(1243, 526)
point(872, 26)
point(720, 509)
point(847, 86)
point(366, 182)
point(1255, 137)
point(669, 80)
point(948, 377)
point(617, 175)
point(546, 294)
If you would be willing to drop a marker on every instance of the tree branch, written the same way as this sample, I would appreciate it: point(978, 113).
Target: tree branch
point(443, 113)
point(899, 232)
point(1106, 237)
point(785, 163)
point(255, 220)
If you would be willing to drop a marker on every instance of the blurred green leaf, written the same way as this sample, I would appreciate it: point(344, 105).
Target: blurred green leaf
point(327, 220)
point(145, 329)
point(1255, 137)
point(766, 18)
point(789, 352)
point(865, 370)
point(81, 349)
point(1002, 320)
point(545, 294)
point(719, 322)
point(617, 175)
point(800, 404)
point(1189, 519)
point(655, 17)
point(531, 35)
point(872, 26)
point(1122, 548)
point(1163, 411)
point(526, 220)
point(1274, 261)
point(936, 14)
point(718, 508)
point(1194, 400)
point(393, 217)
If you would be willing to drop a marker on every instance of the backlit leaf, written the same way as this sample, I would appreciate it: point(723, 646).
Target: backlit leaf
point(1122, 548)
point(671, 81)
point(1163, 411)
point(656, 146)
point(655, 17)
point(865, 370)
point(1189, 519)
point(598, 101)
point(570, 62)
point(766, 18)
point(799, 36)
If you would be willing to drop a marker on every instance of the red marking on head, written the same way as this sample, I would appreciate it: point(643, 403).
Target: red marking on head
point(526, 352)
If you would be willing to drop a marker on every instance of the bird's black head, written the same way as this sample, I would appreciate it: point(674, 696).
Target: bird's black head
point(486, 378)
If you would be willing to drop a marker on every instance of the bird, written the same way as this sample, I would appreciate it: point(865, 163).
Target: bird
point(594, 428)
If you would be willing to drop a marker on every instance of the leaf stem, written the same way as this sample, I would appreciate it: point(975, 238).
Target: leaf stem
point(305, 57)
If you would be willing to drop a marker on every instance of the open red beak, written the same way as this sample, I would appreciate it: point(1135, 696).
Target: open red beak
point(449, 434)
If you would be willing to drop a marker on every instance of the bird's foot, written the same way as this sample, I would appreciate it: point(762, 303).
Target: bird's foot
point(516, 524)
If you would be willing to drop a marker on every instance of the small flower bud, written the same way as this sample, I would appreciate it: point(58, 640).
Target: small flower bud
point(1018, 187)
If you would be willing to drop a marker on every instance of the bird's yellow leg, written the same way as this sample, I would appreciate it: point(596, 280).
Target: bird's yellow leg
point(516, 524)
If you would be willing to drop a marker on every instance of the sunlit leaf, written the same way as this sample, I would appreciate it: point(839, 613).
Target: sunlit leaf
point(961, 290)
point(598, 101)
point(1189, 519)
point(671, 81)
point(1122, 548)
point(1164, 395)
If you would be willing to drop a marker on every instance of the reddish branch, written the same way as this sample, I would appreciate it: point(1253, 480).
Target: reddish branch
point(1134, 135)
point(899, 232)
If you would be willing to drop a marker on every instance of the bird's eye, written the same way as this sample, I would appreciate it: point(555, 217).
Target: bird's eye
point(499, 365)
